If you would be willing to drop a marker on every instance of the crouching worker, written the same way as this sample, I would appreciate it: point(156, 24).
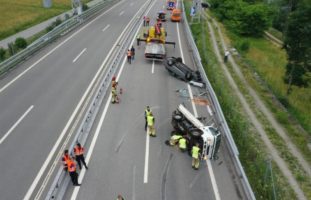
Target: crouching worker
point(174, 139)
point(182, 144)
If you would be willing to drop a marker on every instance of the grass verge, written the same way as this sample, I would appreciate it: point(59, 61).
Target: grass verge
point(254, 158)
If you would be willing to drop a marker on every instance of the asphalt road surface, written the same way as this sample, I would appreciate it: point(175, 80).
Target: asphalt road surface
point(39, 99)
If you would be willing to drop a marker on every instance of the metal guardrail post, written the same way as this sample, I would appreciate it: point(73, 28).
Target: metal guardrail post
point(219, 114)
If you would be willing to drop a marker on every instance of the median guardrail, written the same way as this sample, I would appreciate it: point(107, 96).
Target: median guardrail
point(61, 180)
point(51, 36)
point(222, 124)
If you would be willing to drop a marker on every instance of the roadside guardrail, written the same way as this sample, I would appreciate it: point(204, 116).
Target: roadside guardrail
point(222, 123)
point(51, 36)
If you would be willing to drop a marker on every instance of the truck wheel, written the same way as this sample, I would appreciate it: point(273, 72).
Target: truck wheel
point(179, 59)
point(196, 133)
point(177, 117)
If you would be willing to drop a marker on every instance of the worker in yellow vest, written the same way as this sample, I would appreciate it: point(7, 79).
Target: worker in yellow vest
point(195, 156)
point(174, 139)
point(114, 95)
point(147, 113)
point(182, 144)
point(150, 122)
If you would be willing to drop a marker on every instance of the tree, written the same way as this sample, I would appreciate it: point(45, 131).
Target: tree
point(254, 19)
point(298, 46)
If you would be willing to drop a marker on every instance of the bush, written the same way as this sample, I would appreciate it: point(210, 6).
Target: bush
point(49, 28)
point(20, 43)
point(2, 54)
point(244, 46)
point(84, 7)
point(57, 22)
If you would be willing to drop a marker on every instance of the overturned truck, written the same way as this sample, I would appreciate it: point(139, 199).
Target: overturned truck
point(195, 132)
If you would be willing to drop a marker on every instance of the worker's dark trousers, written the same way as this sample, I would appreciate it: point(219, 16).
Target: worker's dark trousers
point(80, 159)
point(74, 178)
point(129, 59)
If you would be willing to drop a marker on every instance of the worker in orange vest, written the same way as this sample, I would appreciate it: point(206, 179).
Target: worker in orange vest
point(65, 158)
point(79, 154)
point(73, 172)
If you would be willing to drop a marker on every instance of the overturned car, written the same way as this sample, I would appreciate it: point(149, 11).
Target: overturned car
point(178, 69)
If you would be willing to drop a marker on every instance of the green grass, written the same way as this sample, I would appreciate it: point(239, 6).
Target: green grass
point(18, 15)
point(252, 150)
point(269, 62)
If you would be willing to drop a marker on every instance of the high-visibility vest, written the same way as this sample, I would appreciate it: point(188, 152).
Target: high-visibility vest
point(147, 113)
point(150, 120)
point(78, 151)
point(195, 152)
point(182, 143)
point(65, 160)
point(71, 166)
point(176, 137)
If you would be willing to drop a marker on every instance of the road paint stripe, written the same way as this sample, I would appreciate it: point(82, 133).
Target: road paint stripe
point(133, 184)
point(209, 166)
point(121, 13)
point(152, 68)
point(16, 124)
point(78, 56)
point(108, 25)
point(146, 167)
point(209, 110)
point(52, 152)
point(213, 179)
point(89, 154)
point(92, 146)
point(55, 48)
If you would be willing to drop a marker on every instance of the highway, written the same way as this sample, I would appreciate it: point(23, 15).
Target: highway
point(41, 102)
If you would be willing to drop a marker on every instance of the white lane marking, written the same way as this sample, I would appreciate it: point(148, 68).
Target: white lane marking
point(50, 52)
point(89, 154)
point(209, 166)
point(108, 25)
point(213, 179)
point(121, 13)
point(46, 162)
point(152, 68)
point(16, 124)
point(78, 56)
point(146, 158)
point(209, 110)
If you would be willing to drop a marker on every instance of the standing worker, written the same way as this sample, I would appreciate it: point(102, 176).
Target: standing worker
point(120, 197)
point(114, 95)
point(195, 156)
point(133, 52)
point(147, 21)
point(79, 151)
point(73, 172)
point(182, 144)
point(129, 56)
point(150, 122)
point(147, 113)
point(65, 159)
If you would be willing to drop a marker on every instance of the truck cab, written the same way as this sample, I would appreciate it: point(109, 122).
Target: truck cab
point(195, 132)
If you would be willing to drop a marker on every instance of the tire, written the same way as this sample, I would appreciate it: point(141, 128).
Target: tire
point(188, 76)
point(196, 133)
point(179, 59)
point(170, 62)
point(177, 117)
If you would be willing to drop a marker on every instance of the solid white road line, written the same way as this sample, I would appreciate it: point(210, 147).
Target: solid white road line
point(89, 154)
point(78, 56)
point(50, 52)
point(209, 166)
point(121, 13)
point(16, 124)
point(146, 158)
point(108, 25)
point(152, 68)
point(52, 152)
